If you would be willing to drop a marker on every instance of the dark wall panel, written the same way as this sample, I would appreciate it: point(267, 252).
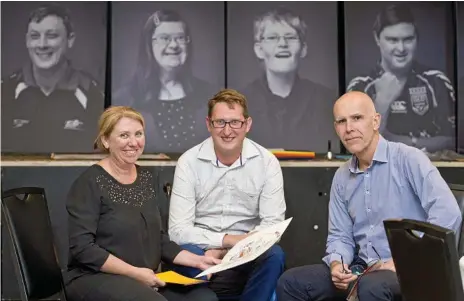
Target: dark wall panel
point(307, 193)
point(460, 64)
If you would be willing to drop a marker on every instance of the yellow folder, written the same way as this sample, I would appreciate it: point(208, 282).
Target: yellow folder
point(173, 277)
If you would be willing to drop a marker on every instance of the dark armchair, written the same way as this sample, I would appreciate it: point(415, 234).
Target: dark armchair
point(34, 257)
point(426, 260)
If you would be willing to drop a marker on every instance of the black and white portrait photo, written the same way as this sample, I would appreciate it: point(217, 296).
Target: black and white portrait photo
point(402, 55)
point(460, 54)
point(283, 56)
point(167, 62)
point(53, 73)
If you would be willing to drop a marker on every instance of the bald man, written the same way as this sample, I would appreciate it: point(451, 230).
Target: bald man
point(382, 180)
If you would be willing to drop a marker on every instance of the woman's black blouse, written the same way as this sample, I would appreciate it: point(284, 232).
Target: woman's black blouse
point(107, 217)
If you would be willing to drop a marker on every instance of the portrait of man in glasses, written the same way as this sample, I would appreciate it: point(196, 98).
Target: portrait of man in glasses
point(417, 102)
point(164, 86)
point(289, 110)
point(50, 104)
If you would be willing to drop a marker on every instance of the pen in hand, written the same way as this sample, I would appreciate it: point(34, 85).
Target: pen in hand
point(343, 266)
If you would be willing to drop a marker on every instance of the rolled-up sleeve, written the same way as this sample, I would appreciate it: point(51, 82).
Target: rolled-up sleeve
point(83, 206)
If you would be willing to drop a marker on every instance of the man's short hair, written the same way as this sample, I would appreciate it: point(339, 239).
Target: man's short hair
point(280, 14)
point(44, 11)
point(392, 15)
point(230, 97)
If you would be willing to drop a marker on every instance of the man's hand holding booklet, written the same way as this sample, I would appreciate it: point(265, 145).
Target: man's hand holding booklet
point(250, 248)
point(244, 251)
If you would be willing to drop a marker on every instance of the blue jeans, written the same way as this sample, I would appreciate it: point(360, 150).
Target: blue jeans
point(255, 280)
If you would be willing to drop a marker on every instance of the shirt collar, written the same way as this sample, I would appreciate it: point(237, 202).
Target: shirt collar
point(379, 71)
point(380, 155)
point(206, 152)
point(69, 80)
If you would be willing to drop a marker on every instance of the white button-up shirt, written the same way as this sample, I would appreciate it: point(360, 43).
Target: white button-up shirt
point(210, 199)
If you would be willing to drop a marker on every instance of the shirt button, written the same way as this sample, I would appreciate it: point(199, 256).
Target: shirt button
point(370, 244)
point(367, 191)
point(368, 209)
point(367, 175)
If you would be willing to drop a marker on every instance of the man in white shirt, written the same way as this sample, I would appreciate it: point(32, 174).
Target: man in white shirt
point(224, 189)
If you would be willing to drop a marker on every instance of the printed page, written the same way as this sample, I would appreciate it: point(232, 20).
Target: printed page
point(250, 248)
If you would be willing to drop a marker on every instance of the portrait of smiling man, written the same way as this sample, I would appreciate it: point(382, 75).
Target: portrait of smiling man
point(288, 97)
point(49, 105)
point(417, 103)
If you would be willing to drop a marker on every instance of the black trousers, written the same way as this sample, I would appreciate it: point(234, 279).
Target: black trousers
point(109, 287)
point(314, 283)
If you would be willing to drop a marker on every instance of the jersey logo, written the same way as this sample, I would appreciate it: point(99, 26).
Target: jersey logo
point(419, 100)
point(17, 123)
point(75, 125)
point(399, 106)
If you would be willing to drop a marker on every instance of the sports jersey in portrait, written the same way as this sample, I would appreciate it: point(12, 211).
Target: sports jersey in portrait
point(66, 120)
point(425, 107)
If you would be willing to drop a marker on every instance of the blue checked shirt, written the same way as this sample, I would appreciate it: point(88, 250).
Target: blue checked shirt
point(401, 182)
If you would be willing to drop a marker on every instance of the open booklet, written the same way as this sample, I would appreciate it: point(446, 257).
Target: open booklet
point(250, 248)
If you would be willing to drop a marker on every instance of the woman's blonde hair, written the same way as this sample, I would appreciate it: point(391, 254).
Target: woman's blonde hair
point(108, 120)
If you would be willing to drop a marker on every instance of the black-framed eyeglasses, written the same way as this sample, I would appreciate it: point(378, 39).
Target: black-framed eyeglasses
point(274, 39)
point(166, 39)
point(221, 123)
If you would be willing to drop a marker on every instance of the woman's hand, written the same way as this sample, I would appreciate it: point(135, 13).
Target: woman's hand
point(147, 276)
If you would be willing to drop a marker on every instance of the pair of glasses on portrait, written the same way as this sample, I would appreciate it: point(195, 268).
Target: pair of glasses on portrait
point(360, 269)
point(221, 123)
point(274, 39)
point(166, 39)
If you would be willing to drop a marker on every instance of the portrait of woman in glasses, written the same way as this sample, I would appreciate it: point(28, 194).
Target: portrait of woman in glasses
point(163, 87)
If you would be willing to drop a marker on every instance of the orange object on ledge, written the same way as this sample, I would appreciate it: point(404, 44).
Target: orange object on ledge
point(293, 155)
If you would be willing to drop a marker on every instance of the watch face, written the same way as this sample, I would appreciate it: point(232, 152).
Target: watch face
point(357, 269)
